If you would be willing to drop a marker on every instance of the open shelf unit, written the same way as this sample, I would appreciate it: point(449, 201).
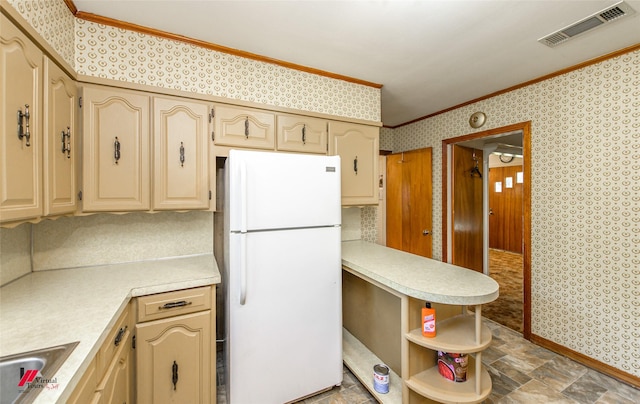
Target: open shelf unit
point(456, 333)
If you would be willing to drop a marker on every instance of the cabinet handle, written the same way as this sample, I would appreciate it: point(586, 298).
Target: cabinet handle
point(21, 132)
point(246, 127)
point(116, 150)
point(66, 142)
point(173, 305)
point(304, 134)
point(355, 165)
point(174, 374)
point(181, 154)
point(119, 336)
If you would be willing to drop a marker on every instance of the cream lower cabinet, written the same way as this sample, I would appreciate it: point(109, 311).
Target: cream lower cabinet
point(175, 347)
point(110, 375)
point(116, 150)
point(20, 125)
point(358, 148)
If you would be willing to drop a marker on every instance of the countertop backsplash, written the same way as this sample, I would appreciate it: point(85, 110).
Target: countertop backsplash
point(101, 239)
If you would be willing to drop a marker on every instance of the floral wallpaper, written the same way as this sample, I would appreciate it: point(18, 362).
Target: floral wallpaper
point(53, 20)
point(118, 54)
point(585, 140)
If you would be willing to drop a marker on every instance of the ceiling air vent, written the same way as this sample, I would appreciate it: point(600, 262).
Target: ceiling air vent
point(600, 18)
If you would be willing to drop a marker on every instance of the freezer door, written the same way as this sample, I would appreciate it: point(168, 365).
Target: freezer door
point(284, 315)
point(281, 190)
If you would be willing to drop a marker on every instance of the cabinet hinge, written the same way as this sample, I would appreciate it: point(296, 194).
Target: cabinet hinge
point(80, 102)
point(211, 115)
point(133, 342)
point(213, 137)
point(80, 195)
point(210, 194)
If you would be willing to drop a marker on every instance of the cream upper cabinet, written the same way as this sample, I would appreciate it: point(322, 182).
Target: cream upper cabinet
point(181, 154)
point(20, 136)
point(115, 150)
point(301, 134)
point(61, 97)
point(244, 127)
point(357, 146)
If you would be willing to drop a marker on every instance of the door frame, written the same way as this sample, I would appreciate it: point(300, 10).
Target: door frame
point(447, 146)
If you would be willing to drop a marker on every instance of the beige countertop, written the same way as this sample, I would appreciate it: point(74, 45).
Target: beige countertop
point(418, 277)
point(49, 308)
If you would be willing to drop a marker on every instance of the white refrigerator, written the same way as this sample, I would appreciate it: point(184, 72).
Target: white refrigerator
point(283, 276)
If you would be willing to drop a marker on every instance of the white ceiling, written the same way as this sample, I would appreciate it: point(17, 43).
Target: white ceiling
point(428, 55)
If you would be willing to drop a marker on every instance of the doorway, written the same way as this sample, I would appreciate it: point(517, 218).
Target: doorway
point(487, 142)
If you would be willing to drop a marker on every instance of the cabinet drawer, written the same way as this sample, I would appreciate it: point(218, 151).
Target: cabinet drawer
point(117, 337)
point(171, 304)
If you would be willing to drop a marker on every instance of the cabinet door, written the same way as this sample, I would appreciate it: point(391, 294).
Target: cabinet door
point(86, 389)
point(116, 386)
point(174, 359)
point(301, 134)
point(21, 86)
point(181, 158)
point(357, 146)
point(115, 150)
point(59, 135)
point(244, 127)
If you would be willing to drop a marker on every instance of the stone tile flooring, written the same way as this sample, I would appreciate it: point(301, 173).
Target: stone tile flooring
point(521, 372)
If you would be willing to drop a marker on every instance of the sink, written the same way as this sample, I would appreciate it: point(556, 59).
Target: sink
point(18, 381)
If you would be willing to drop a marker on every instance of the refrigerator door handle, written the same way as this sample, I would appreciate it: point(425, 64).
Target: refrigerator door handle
point(243, 268)
point(243, 197)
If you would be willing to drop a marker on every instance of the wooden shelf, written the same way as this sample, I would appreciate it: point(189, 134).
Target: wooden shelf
point(360, 360)
point(431, 384)
point(456, 334)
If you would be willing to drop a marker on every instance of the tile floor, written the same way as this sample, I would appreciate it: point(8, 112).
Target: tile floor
point(521, 372)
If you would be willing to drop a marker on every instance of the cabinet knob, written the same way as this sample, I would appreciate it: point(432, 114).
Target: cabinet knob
point(426, 232)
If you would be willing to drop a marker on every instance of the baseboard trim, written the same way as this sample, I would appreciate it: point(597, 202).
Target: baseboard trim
point(601, 367)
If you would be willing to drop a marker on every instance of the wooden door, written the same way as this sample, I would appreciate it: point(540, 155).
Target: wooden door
point(20, 86)
point(181, 158)
point(60, 136)
point(467, 248)
point(115, 150)
point(175, 348)
point(505, 209)
point(409, 201)
point(357, 146)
